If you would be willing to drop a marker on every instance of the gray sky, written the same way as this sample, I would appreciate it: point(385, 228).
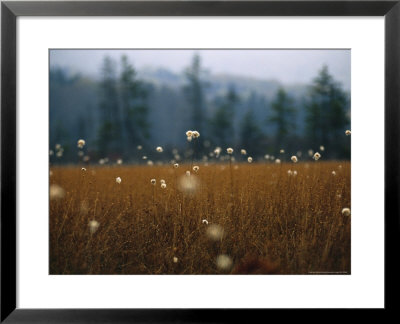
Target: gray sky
point(286, 66)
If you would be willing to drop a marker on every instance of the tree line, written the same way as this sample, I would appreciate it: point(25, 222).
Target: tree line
point(124, 118)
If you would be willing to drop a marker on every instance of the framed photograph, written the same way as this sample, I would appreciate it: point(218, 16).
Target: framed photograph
point(168, 161)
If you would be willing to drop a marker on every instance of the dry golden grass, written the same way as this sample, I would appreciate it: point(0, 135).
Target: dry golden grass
point(290, 224)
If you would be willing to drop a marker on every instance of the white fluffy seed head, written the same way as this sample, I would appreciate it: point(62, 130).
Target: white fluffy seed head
point(215, 232)
point(322, 148)
point(249, 159)
point(119, 161)
point(224, 262)
point(316, 156)
point(188, 184)
point(118, 180)
point(163, 185)
point(295, 173)
point(348, 132)
point(282, 151)
point(189, 133)
point(196, 168)
point(333, 173)
point(229, 150)
point(56, 192)
point(159, 149)
point(83, 169)
point(81, 143)
point(162, 181)
point(175, 259)
point(153, 182)
point(196, 134)
point(243, 152)
point(294, 159)
point(188, 173)
point(290, 172)
point(205, 221)
point(93, 226)
point(346, 212)
point(277, 161)
point(176, 165)
point(139, 147)
point(217, 151)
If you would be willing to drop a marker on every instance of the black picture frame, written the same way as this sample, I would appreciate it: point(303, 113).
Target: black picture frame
point(10, 10)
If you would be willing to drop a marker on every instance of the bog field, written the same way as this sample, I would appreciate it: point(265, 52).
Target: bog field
point(253, 218)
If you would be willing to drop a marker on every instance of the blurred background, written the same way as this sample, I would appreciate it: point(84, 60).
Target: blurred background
point(125, 103)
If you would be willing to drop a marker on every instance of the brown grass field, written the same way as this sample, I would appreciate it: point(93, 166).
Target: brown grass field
point(272, 222)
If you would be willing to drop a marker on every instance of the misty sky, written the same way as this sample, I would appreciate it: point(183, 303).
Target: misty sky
point(286, 66)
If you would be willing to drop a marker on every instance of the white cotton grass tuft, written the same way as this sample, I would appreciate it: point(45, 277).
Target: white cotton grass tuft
point(310, 152)
point(229, 150)
point(217, 151)
point(189, 138)
point(93, 226)
point(316, 156)
point(347, 132)
point(277, 161)
point(266, 156)
point(139, 147)
point(81, 143)
point(159, 149)
point(163, 185)
point(83, 169)
point(282, 151)
point(346, 212)
point(333, 173)
point(294, 173)
point(243, 152)
point(189, 133)
point(119, 161)
point(153, 182)
point(162, 181)
point(196, 168)
point(322, 148)
point(224, 262)
point(51, 152)
point(188, 173)
point(176, 165)
point(204, 221)
point(118, 180)
point(196, 134)
point(86, 158)
point(175, 259)
point(56, 192)
point(215, 232)
point(150, 163)
point(249, 159)
point(294, 159)
point(188, 184)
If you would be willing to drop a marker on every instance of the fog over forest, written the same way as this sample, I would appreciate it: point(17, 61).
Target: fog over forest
point(117, 102)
